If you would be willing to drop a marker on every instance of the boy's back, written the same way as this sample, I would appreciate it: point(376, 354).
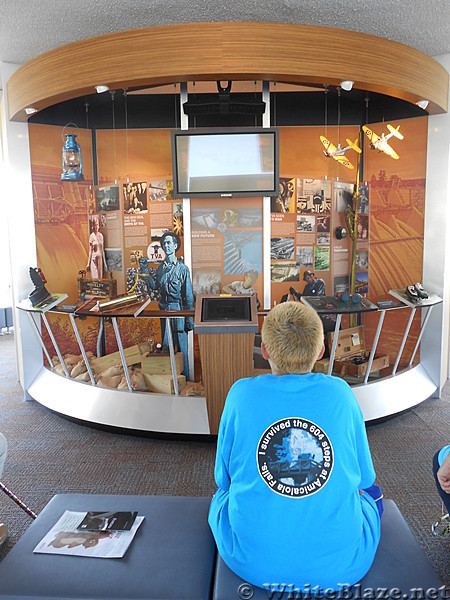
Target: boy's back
point(292, 456)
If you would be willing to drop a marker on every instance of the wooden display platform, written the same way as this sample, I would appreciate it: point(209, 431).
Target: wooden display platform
point(226, 336)
point(226, 357)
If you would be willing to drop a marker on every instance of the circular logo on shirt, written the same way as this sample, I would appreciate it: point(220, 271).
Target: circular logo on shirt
point(295, 457)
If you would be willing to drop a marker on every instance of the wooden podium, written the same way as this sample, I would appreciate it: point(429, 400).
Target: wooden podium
point(226, 327)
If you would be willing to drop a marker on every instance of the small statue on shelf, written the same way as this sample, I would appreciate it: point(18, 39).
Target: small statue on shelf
point(172, 279)
point(40, 292)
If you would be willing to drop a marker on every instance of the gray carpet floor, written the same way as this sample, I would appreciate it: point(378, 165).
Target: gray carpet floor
point(48, 455)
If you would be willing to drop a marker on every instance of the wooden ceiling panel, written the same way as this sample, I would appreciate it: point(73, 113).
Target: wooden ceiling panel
point(244, 51)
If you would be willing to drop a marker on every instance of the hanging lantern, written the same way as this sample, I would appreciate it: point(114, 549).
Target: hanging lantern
point(71, 157)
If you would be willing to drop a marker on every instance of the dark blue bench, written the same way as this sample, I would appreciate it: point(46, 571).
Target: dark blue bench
point(399, 564)
point(173, 557)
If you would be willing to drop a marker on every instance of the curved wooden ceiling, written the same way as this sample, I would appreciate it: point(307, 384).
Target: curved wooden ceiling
point(287, 53)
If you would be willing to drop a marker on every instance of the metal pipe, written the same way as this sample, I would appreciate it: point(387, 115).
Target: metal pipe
point(374, 346)
point(55, 345)
point(83, 351)
point(419, 339)
point(118, 302)
point(334, 345)
point(172, 355)
point(405, 335)
point(41, 341)
point(122, 355)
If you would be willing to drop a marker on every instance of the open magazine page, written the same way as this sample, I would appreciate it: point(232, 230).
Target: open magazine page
point(65, 538)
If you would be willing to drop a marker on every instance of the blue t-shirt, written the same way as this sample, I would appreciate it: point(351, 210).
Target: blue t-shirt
point(292, 455)
point(443, 454)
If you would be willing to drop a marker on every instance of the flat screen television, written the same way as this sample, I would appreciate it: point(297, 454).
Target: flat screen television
point(209, 163)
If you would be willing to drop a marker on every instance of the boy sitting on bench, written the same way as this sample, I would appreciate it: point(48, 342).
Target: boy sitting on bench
point(292, 463)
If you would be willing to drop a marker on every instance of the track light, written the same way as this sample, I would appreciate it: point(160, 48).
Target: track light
point(423, 104)
point(347, 85)
point(101, 89)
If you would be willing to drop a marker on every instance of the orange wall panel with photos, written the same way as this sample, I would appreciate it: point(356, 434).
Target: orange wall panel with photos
point(227, 234)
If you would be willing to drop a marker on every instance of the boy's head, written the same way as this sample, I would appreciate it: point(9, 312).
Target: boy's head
point(292, 335)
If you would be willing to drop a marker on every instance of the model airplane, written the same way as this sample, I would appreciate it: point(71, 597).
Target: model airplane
point(380, 143)
point(339, 153)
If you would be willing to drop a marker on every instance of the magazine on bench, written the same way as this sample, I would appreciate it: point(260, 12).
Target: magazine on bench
point(66, 537)
point(108, 521)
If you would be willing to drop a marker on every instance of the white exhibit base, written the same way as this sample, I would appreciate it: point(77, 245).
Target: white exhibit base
point(161, 413)
point(394, 394)
point(136, 411)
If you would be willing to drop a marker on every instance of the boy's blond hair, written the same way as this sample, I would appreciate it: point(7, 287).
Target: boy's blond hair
point(293, 336)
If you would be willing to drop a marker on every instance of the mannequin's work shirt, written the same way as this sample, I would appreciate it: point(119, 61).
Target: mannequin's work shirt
point(292, 455)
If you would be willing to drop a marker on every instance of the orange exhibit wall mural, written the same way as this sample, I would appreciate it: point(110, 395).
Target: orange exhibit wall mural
point(61, 222)
point(132, 206)
point(396, 226)
point(60, 208)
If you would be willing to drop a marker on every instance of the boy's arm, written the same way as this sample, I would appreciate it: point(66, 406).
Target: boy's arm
point(443, 474)
point(364, 457)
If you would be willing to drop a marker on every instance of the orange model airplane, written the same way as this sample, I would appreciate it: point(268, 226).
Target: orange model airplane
point(339, 153)
point(380, 143)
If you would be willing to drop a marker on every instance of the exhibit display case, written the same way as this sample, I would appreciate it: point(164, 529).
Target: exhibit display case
point(226, 327)
point(354, 228)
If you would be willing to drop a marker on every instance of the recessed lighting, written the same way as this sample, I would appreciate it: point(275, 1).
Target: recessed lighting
point(101, 88)
point(423, 104)
point(30, 110)
point(347, 85)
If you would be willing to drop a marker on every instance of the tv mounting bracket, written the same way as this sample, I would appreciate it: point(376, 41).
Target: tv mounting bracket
point(224, 105)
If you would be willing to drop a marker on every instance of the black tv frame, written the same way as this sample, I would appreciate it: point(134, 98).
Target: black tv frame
point(274, 131)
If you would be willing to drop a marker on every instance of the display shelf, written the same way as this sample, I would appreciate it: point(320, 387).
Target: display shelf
point(334, 306)
point(40, 309)
point(51, 302)
point(401, 295)
point(428, 304)
point(144, 412)
point(394, 394)
point(153, 413)
point(91, 308)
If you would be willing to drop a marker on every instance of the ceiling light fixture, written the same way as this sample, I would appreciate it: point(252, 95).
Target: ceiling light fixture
point(347, 85)
point(30, 110)
point(423, 104)
point(101, 89)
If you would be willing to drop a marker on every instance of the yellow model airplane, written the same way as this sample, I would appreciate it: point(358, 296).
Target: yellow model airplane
point(380, 143)
point(339, 153)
